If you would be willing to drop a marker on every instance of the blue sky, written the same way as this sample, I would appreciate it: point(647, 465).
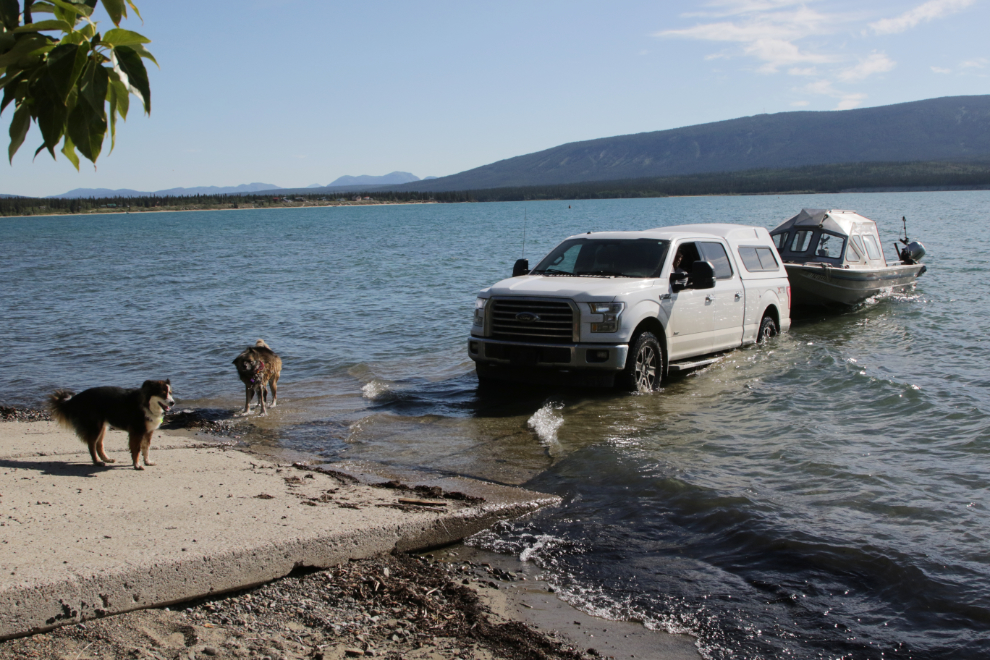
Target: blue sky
point(296, 92)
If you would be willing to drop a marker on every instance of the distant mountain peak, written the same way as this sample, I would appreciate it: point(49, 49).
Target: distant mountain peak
point(368, 180)
point(173, 192)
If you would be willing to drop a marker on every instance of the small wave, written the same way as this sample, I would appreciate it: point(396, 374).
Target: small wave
point(546, 422)
point(378, 390)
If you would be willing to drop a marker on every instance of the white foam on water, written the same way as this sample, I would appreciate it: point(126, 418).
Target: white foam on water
point(546, 422)
point(377, 390)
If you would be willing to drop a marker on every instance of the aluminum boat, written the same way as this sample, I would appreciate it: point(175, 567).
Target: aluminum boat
point(834, 258)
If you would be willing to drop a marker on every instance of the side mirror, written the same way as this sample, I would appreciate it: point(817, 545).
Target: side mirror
point(521, 267)
point(678, 282)
point(702, 275)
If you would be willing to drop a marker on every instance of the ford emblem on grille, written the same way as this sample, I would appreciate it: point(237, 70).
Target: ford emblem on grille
point(527, 317)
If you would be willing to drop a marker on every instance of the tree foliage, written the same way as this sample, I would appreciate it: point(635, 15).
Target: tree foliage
point(64, 75)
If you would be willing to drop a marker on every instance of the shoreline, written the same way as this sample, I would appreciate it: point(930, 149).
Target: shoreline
point(245, 208)
point(453, 602)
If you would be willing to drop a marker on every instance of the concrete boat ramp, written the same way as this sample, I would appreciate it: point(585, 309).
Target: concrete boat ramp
point(79, 541)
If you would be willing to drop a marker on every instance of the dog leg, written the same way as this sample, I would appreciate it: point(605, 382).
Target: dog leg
point(145, 446)
point(274, 385)
point(135, 439)
point(100, 449)
point(93, 442)
point(248, 395)
point(262, 398)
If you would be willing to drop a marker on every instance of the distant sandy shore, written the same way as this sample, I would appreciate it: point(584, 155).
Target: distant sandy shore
point(244, 207)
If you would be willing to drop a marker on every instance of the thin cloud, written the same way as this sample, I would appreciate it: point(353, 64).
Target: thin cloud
point(764, 33)
point(846, 100)
point(978, 63)
point(929, 11)
point(938, 69)
point(874, 63)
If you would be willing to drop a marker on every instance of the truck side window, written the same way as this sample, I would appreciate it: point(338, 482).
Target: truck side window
point(802, 241)
point(715, 253)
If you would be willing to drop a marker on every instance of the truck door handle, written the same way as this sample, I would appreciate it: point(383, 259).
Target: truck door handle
point(709, 299)
point(738, 296)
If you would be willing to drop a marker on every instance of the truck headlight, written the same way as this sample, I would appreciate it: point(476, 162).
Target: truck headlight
point(479, 311)
point(610, 316)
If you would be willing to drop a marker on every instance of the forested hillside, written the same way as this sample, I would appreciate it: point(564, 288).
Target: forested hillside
point(946, 129)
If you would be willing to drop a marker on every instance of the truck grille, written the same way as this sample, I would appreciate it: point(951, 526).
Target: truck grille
point(544, 321)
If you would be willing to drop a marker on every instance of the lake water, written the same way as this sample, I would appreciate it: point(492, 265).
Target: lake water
point(824, 496)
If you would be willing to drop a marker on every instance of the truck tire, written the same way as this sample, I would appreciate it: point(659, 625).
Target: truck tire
point(644, 365)
point(768, 329)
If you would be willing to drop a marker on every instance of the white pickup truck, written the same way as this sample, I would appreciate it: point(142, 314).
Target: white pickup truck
point(625, 308)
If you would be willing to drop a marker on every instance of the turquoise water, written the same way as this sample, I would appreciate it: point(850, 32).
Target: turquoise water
point(824, 496)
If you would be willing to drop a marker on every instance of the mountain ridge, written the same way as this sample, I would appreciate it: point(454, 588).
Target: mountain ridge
point(947, 128)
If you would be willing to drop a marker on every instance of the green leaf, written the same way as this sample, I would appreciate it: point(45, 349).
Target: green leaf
point(64, 65)
point(133, 6)
point(93, 87)
point(81, 8)
point(87, 130)
point(122, 96)
point(69, 149)
point(49, 111)
point(116, 8)
point(9, 13)
point(120, 37)
point(18, 129)
point(29, 44)
point(112, 100)
point(41, 26)
point(129, 62)
point(143, 52)
point(12, 91)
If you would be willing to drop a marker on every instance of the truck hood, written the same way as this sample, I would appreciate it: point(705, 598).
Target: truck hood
point(580, 289)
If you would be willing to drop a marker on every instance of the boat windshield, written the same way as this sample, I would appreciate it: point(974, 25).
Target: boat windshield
point(605, 257)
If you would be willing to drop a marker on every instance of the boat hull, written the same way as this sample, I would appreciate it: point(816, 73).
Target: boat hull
point(819, 285)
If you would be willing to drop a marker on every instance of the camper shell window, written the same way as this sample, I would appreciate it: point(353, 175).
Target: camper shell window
point(758, 259)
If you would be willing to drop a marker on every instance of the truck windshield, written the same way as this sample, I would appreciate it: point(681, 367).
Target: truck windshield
point(601, 257)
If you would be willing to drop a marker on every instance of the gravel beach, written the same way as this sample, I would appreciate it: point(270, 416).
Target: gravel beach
point(454, 602)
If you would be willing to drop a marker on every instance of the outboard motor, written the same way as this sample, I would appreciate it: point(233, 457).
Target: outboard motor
point(912, 253)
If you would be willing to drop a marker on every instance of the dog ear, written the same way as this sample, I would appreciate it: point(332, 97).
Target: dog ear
point(168, 382)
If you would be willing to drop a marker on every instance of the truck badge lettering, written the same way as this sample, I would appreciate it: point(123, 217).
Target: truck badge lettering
point(527, 317)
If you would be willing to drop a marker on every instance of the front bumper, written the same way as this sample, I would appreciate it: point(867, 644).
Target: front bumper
point(603, 357)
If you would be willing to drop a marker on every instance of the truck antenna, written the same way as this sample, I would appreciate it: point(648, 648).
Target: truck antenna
point(524, 235)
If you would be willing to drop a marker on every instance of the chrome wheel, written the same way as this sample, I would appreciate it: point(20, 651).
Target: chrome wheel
point(646, 369)
point(644, 366)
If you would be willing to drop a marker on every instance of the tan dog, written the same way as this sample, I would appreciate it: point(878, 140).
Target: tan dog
point(258, 367)
point(139, 412)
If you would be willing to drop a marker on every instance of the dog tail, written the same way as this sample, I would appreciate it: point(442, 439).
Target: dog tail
point(57, 405)
point(261, 343)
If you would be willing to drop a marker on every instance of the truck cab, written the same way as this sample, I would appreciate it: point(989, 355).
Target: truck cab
point(626, 308)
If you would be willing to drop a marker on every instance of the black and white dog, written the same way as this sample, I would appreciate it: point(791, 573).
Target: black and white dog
point(139, 412)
